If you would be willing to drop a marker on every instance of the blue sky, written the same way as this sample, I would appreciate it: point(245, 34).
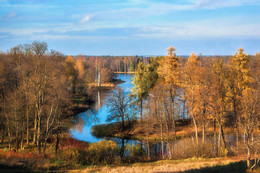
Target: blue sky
point(133, 27)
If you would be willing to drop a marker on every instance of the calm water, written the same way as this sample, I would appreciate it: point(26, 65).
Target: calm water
point(98, 113)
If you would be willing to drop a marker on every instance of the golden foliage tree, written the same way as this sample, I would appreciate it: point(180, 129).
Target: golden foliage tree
point(80, 67)
point(71, 72)
point(238, 79)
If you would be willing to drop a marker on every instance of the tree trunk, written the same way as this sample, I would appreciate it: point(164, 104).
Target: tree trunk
point(215, 136)
point(22, 134)
point(248, 156)
point(123, 124)
point(122, 149)
point(203, 133)
point(162, 140)
point(57, 144)
point(168, 142)
point(193, 118)
point(44, 146)
point(141, 110)
point(39, 135)
point(148, 151)
point(16, 131)
point(237, 121)
point(223, 136)
point(219, 139)
point(3, 135)
point(172, 112)
point(35, 129)
point(8, 129)
point(27, 125)
point(21, 144)
point(196, 130)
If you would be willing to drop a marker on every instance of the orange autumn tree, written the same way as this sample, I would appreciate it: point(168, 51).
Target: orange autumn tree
point(71, 72)
point(192, 89)
point(250, 121)
point(80, 67)
point(218, 100)
point(169, 76)
point(238, 80)
point(243, 95)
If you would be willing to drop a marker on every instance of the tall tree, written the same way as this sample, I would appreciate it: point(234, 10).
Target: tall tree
point(71, 72)
point(237, 81)
point(218, 97)
point(169, 76)
point(140, 89)
point(191, 89)
point(145, 79)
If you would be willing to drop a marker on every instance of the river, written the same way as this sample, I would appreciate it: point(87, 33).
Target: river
point(98, 113)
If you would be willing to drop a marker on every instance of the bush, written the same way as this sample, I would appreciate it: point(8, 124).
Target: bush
point(223, 152)
point(136, 153)
point(72, 156)
point(103, 152)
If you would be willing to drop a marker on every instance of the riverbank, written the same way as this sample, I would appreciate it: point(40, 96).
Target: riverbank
point(130, 72)
point(106, 85)
point(138, 131)
point(145, 132)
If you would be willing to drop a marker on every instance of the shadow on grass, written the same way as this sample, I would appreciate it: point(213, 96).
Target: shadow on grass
point(9, 169)
point(238, 167)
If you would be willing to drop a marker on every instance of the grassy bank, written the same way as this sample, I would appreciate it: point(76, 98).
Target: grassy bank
point(193, 165)
point(151, 133)
point(104, 156)
point(106, 85)
point(135, 130)
point(130, 72)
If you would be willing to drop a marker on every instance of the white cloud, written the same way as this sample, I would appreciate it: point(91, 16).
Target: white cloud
point(11, 14)
point(24, 31)
point(200, 30)
point(85, 19)
point(214, 4)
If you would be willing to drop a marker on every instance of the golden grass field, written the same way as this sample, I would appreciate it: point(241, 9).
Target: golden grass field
point(192, 165)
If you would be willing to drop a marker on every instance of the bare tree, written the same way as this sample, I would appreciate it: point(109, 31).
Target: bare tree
point(119, 107)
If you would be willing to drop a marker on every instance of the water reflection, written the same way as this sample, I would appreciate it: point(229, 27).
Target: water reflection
point(98, 112)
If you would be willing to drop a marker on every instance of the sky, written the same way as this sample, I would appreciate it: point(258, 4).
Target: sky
point(132, 27)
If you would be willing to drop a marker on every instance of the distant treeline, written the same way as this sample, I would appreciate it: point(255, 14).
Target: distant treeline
point(127, 63)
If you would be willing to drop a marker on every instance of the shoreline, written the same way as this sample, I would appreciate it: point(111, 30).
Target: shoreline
point(83, 105)
point(119, 72)
point(184, 130)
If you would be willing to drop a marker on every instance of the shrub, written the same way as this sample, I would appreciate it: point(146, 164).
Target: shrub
point(223, 152)
point(136, 153)
point(72, 155)
point(103, 152)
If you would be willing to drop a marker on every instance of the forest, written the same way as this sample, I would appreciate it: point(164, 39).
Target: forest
point(210, 101)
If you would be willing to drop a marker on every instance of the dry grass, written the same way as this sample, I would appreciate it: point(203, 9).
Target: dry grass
point(130, 72)
point(95, 84)
point(187, 165)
